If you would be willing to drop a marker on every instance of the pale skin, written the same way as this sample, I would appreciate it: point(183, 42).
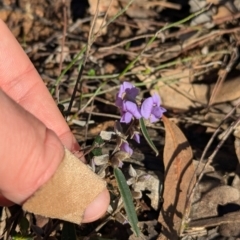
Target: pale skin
point(32, 130)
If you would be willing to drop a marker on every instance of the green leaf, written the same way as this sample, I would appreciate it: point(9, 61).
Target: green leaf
point(127, 200)
point(98, 141)
point(97, 152)
point(68, 231)
point(24, 225)
point(97, 146)
point(146, 136)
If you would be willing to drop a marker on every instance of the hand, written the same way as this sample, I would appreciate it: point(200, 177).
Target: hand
point(32, 130)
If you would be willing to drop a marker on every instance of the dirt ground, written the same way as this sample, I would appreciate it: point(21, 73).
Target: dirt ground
point(187, 52)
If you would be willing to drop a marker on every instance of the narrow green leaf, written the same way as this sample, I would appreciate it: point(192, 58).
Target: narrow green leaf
point(127, 200)
point(68, 231)
point(24, 226)
point(146, 136)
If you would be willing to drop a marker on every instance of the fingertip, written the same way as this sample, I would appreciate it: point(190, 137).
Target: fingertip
point(97, 208)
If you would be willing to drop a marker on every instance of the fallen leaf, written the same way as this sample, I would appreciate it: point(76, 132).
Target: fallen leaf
point(183, 94)
point(179, 178)
point(207, 206)
point(222, 12)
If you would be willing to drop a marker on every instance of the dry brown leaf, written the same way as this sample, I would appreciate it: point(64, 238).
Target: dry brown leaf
point(179, 173)
point(222, 12)
point(182, 94)
point(208, 204)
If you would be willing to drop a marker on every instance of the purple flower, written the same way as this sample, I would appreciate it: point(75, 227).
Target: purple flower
point(125, 147)
point(128, 111)
point(126, 101)
point(136, 137)
point(151, 108)
point(127, 92)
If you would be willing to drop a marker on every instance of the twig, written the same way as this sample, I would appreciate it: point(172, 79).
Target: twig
point(103, 114)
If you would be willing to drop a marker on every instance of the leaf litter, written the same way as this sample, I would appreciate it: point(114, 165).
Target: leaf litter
point(194, 68)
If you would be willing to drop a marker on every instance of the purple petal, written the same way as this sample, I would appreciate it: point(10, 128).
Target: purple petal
point(127, 85)
point(122, 90)
point(125, 147)
point(136, 137)
point(146, 107)
point(156, 99)
point(157, 112)
point(131, 94)
point(153, 119)
point(120, 164)
point(163, 110)
point(119, 102)
point(132, 108)
point(126, 117)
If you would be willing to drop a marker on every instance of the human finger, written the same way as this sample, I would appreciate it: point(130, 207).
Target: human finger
point(20, 80)
point(30, 154)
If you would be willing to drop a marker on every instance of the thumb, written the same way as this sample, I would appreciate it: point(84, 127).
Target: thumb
point(30, 154)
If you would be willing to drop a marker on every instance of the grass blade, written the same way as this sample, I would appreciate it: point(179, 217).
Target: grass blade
point(146, 136)
point(127, 200)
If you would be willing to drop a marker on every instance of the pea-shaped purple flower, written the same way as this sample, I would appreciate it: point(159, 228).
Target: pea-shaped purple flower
point(129, 110)
point(126, 101)
point(151, 108)
point(127, 92)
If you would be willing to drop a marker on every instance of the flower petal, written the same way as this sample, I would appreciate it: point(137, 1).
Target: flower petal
point(163, 110)
point(126, 117)
point(131, 94)
point(125, 147)
point(121, 92)
point(156, 99)
point(127, 85)
point(119, 102)
point(146, 107)
point(157, 112)
point(132, 108)
point(153, 119)
point(136, 137)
